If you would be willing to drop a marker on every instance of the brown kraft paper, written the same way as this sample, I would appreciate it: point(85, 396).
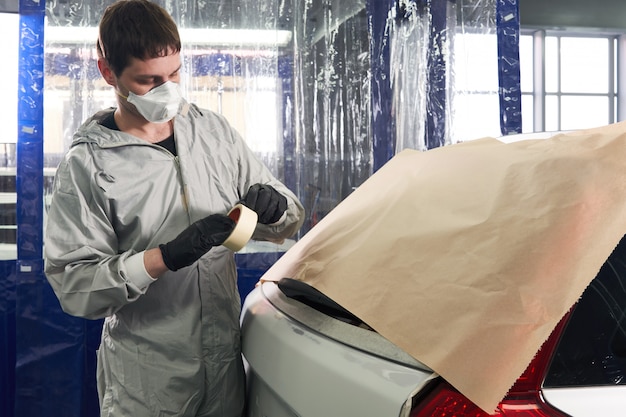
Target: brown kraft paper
point(467, 256)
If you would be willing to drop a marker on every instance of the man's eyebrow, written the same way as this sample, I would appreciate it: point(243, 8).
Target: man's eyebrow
point(148, 76)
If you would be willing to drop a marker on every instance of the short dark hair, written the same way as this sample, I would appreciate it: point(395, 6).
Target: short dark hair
point(135, 29)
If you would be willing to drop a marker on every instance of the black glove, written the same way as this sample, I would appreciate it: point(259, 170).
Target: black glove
point(196, 240)
point(268, 203)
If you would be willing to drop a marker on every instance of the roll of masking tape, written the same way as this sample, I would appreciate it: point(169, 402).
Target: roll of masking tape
point(245, 223)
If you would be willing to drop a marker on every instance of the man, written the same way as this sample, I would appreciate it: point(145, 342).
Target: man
point(137, 218)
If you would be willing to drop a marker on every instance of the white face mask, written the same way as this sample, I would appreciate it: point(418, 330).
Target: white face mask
point(160, 104)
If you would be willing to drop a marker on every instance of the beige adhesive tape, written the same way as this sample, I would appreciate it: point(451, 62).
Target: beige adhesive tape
point(245, 223)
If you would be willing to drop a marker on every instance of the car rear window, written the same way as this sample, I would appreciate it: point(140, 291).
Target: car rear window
point(592, 350)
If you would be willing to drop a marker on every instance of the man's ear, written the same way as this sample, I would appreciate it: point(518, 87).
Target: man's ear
point(106, 72)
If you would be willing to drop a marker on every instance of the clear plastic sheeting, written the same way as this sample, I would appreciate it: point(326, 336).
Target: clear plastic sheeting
point(444, 72)
point(236, 61)
point(332, 102)
point(475, 107)
point(410, 30)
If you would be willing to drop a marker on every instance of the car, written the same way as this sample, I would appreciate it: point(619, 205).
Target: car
point(305, 355)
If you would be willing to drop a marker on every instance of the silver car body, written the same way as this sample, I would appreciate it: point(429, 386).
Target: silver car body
point(588, 401)
point(322, 365)
point(302, 362)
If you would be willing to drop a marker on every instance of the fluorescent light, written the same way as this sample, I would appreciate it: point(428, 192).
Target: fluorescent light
point(193, 36)
point(69, 34)
point(235, 37)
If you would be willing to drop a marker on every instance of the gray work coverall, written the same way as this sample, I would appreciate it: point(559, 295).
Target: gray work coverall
point(170, 346)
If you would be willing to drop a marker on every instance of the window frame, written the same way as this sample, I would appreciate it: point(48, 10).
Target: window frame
point(616, 95)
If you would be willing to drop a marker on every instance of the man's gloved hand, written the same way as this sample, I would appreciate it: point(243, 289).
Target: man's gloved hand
point(196, 240)
point(268, 203)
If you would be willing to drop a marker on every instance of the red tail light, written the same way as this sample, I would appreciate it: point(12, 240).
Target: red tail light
point(445, 401)
point(523, 400)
